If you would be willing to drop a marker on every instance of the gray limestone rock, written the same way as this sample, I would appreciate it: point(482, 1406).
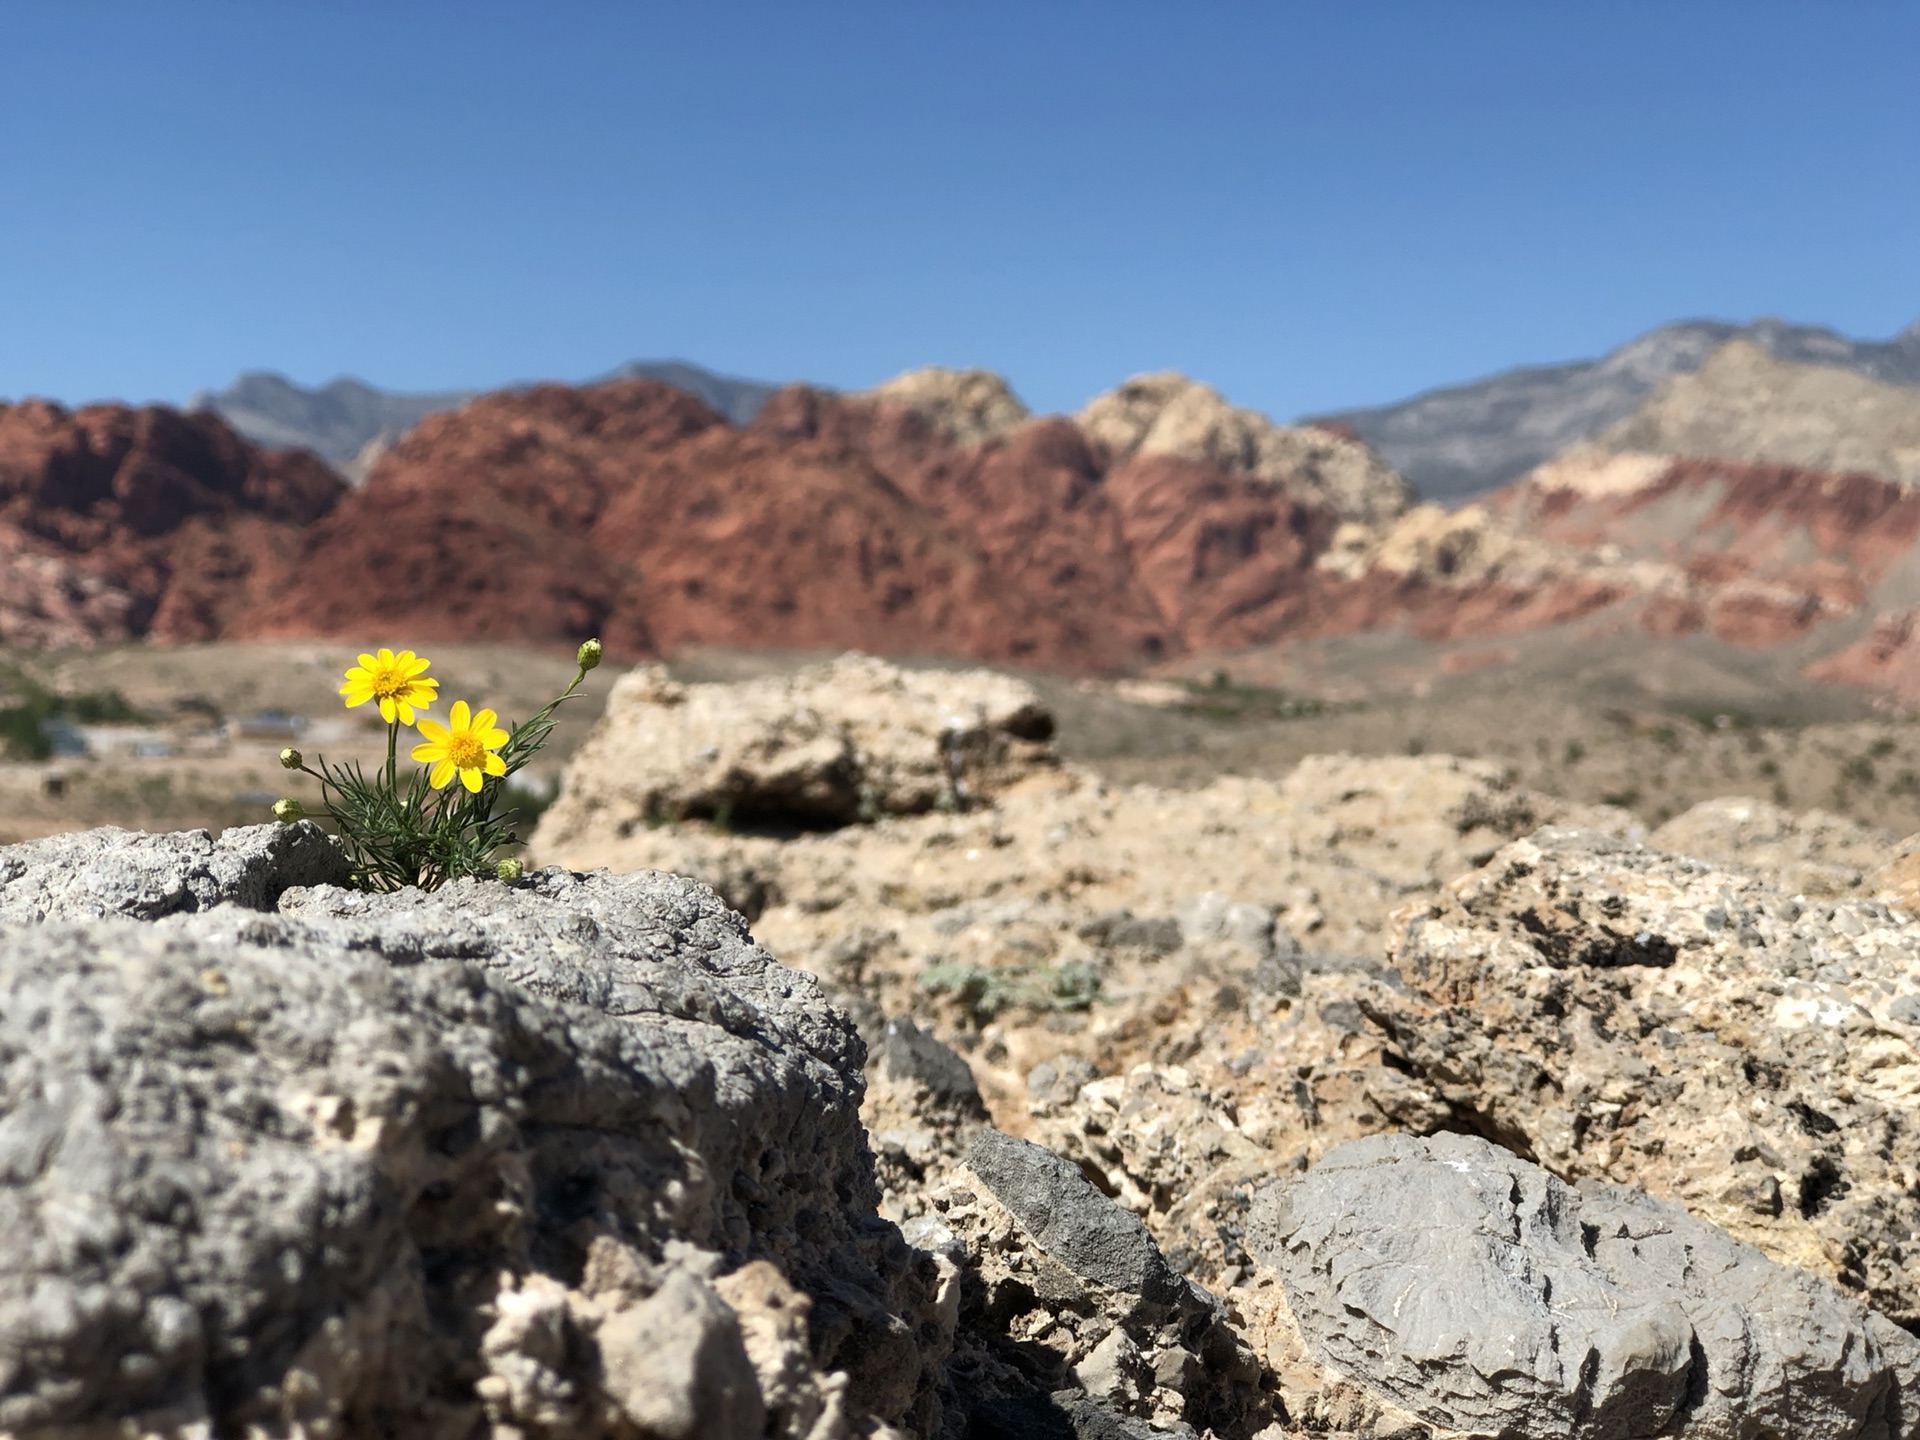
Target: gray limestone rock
point(393, 1164)
point(1069, 1219)
point(912, 1054)
point(110, 871)
point(634, 946)
point(1487, 1297)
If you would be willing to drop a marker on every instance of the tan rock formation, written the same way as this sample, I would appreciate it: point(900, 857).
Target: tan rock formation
point(1438, 546)
point(856, 739)
point(1049, 887)
point(967, 406)
point(50, 600)
point(1743, 404)
point(1168, 414)
point(1756, 553)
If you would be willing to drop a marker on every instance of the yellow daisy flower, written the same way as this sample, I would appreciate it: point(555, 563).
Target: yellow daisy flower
point(466, 743)
point(393, 680)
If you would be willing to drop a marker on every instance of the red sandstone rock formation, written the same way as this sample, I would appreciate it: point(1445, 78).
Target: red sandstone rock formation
point(630, 510)
point(117, 521)
point(936, 519)
point(1757, 554)
point(1886, 658)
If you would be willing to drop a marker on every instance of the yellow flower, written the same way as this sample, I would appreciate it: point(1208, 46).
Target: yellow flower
point(465, 744)
point(393, 680)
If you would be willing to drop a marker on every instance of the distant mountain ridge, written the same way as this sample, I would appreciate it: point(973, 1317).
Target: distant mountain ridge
point(349, 423)
point(1460, 440)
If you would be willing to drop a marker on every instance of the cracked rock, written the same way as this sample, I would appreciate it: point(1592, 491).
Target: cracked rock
point(1485, 1296)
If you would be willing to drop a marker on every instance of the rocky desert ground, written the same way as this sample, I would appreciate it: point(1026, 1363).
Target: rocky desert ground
point(1350, 967)
point(865, 1054)
point(1653, 727)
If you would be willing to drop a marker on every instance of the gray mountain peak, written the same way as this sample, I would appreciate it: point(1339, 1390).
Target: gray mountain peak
point(347, 422)
point(1459, 440)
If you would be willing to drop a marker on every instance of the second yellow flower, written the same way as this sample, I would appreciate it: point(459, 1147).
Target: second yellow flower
point(465, 744)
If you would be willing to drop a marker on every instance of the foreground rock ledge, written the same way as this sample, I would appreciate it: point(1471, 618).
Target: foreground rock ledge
point(574, 1159)
point(351, 1168)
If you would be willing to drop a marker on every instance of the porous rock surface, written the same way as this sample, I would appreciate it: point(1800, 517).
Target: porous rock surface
point(1813, 852)
point(1620, 1012)
point(96, 873)
point(501, 1156)
point(1487, 1297)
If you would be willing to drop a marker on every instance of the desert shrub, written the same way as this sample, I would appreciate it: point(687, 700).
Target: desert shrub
point(985, 990)
point(24, 721)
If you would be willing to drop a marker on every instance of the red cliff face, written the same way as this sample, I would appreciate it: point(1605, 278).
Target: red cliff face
point(1762, 552)
point(629, 510)
point(117, 521)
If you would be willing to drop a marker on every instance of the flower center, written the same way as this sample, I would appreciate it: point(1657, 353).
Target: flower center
point(388, 682)
point(466, 751)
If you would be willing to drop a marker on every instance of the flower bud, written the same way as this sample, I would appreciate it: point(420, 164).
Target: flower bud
point(288, 811)
point(509, 870)
point(290, 759)
point(589, 655)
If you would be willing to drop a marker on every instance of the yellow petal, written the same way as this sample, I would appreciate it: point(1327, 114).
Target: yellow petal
point(494, 739)
point(416, 665)
point(406, 711)
point(460, 717)
point(440, 774)
point(367, 662)
point(386, 658)
point(484, 720)
point(470, 777)
point(433, 730)
point(386, 709)
point(495, 765)
point(426, 752)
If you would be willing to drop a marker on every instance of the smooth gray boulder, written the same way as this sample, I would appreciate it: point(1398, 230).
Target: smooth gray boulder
point(394, 1164)
point(92, 874)
point(1477, 1291)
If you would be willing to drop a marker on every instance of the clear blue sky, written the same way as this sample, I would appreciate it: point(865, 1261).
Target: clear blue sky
point(1311, 205)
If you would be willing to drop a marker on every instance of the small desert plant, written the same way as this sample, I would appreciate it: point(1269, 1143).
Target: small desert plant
point(421, 828)
point(29, 706)
point(1857, 771)
point(985, 990)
